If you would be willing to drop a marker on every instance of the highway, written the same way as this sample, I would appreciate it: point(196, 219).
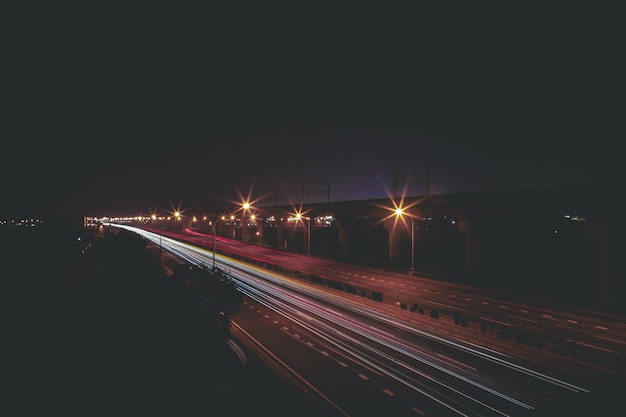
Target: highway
point(588, 336)
point(354, 357)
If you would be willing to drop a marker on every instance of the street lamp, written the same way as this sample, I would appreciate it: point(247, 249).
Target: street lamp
point(154, 217)
point(246, 206)
point(399, 213)
point(259, 222)
point(233, 225)
point(178, 220)
point(300, 217)
point(215, 231)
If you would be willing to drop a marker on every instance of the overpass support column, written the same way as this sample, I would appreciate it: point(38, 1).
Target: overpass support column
point(281, 242)
point(245, 230)
point(306, 235)
point(474, 255)
point(232, 229)
point(340, 223)
point(610, 264)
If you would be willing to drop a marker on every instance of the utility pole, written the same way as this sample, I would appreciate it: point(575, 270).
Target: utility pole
point(303, 190)
point(327, 192)
point(425, 181)
point(417, 180)
point(395, 180)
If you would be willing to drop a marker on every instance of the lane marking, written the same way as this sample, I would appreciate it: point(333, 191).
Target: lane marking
point(418, 411)
point(288, 368)
point(623, 342)
point(459, 363)
point(595, 347)
point(389, 393)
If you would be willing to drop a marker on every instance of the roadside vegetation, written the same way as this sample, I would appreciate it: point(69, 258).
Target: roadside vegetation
point(97, 328)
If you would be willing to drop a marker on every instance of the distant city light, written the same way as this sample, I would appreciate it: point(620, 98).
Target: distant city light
point(31, 222)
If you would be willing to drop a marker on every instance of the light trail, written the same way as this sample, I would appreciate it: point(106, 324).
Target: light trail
point(361, 342)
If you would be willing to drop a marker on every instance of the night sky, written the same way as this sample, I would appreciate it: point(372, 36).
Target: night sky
point(125, 107)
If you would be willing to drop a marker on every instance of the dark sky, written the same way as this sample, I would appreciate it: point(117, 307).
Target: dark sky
point(127, 107)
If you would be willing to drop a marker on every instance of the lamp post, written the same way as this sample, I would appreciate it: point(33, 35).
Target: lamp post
point(412, 244)
point(300, 217)
point(400, 213)
point(259, 222)
point(215, 231)
point(178, 220)
point(246, 206)
point(154, 217)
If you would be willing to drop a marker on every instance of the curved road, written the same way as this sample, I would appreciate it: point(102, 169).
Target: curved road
point(355, 357)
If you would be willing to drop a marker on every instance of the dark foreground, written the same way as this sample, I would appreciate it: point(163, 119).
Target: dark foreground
point(104, 332)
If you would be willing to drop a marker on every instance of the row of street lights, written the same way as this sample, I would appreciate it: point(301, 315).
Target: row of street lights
point(247, 207)
point(177, 216)
point(399, 212)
